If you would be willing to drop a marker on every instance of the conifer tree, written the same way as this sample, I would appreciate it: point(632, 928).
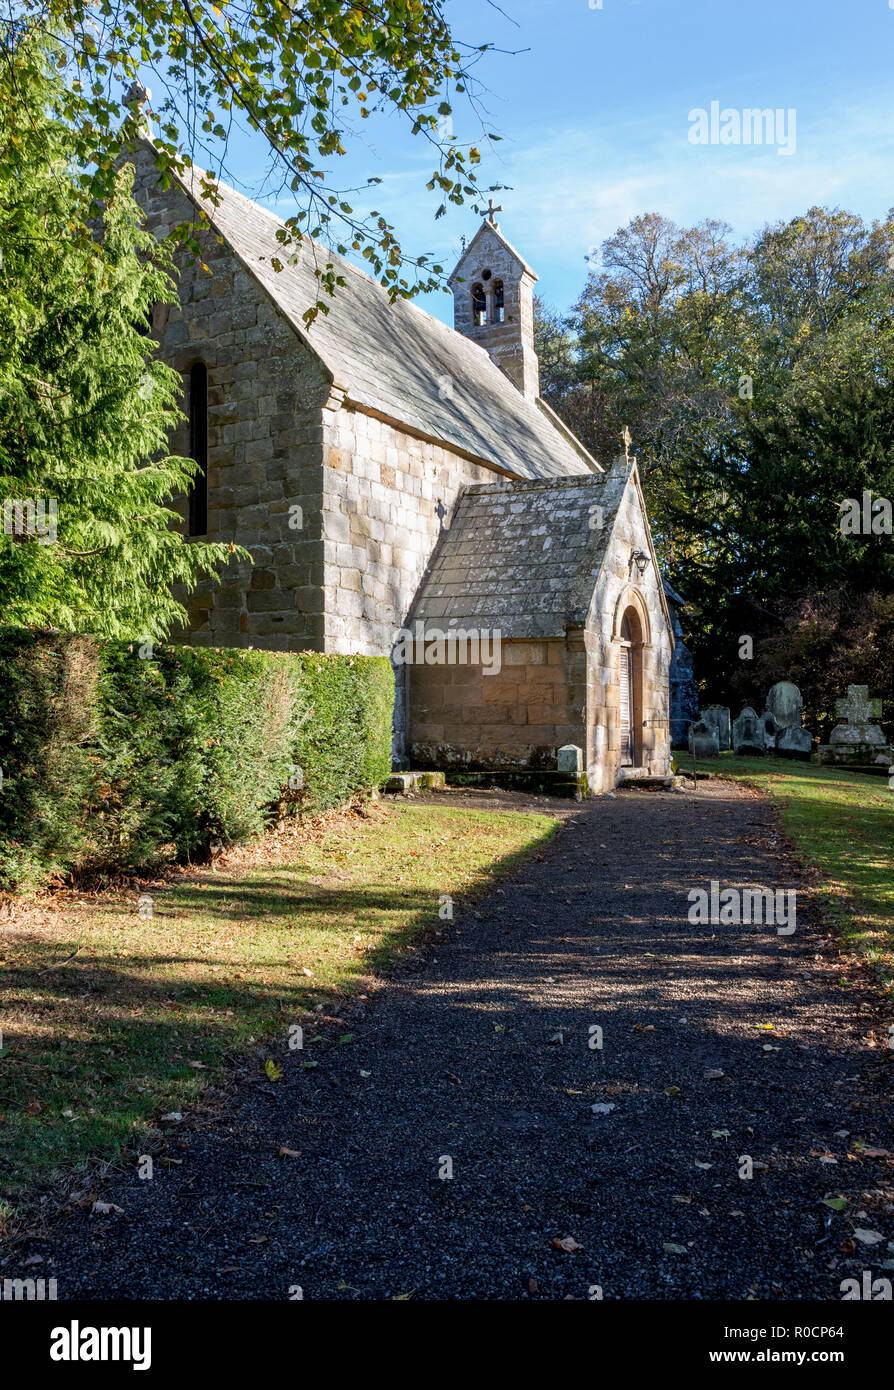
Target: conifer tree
point(88, 540)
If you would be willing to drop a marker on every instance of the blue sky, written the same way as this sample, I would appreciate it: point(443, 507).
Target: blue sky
point(594, 114)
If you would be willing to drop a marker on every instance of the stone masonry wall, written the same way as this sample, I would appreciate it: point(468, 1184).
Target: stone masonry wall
point(386, 496)
point(265, 443)
point(518, 717)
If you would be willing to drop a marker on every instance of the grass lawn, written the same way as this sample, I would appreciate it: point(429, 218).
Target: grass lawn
point(104, 1013)
point(843, 824)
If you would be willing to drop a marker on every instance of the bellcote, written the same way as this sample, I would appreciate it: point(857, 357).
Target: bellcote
point(493, 304)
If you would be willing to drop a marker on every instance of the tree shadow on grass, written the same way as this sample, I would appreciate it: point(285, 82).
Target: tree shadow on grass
point(111, 1039)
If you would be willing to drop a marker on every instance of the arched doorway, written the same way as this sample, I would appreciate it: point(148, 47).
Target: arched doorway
point(630, 688)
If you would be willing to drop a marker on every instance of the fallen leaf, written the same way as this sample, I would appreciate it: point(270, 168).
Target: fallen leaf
point(703, 1165)
point(835, 1203)
point(566, 1243)
point(602, 1107)
point(104, 1208)
point(671, 1248)
point(258, 1240)
point(288, 1153)
point(867, 1237)
point(719, 1133)
point(713, 1074)
point(346, 1038)
point(273, 1071)
point(173, 1115)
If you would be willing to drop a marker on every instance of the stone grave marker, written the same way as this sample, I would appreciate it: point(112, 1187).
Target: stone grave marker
point(794, 743)
point(570, 759)
point(857, 738)
point(703, 740)
point(785, 703)
point(718, 717)
point(770, 728)
point(748, 733)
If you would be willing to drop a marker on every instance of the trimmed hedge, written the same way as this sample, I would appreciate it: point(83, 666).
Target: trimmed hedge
point(342, 743)
point(112, 760)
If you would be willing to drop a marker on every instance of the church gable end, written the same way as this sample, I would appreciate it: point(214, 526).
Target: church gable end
point(557, 582)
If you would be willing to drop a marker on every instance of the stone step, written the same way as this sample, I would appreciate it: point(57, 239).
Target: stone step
point(642, 777)
point(415, 781)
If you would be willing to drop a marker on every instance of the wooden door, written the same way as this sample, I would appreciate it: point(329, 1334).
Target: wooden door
point(626, 706)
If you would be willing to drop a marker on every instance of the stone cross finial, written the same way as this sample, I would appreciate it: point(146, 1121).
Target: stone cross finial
point(138, 98)
point(858, 709)
point(626, 440)
point(489, 212)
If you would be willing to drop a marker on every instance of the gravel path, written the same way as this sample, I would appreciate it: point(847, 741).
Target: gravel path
point(461, 1056)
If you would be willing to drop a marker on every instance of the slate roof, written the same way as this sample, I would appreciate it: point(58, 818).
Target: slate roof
point(671, 594)
point(394, 357)
point(522, 557)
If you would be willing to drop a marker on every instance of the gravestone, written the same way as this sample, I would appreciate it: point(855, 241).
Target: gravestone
point(748, 733)
point(770, 728)
point(857, 739)
point(785, 704)
point(703, 740)
point(718, 717)
point(794, 743)
point(570, 759)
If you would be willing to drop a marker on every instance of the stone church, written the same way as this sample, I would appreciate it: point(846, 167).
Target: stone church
point(403, 490)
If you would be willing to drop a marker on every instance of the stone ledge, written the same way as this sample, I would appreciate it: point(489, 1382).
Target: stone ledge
point(415, 781)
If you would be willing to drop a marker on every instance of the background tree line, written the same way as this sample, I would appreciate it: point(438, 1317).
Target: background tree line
point(757, 384)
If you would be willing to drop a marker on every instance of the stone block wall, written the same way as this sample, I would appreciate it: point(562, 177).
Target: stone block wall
point(386, 497)
point(515, 718)
point(266, 391)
